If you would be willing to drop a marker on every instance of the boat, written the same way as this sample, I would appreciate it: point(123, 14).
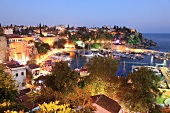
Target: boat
point(153, 68)
point(90, 55)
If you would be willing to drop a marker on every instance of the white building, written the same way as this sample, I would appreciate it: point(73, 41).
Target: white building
point(8, 31)
point(60, 27)
point(15, 38)
point(18, 72)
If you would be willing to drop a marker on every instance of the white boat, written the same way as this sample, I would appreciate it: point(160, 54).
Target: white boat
point(153, 68)
point(91, 55)
point(98, 54)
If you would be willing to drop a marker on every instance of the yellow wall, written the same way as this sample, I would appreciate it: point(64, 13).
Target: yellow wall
point(18, 50)
point(49, 40)
point(28, 38)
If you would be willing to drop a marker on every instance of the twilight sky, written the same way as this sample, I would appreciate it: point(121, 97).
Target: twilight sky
point(147, 16)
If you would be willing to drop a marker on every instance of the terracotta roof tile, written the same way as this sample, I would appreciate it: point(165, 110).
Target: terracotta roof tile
point(107, 103)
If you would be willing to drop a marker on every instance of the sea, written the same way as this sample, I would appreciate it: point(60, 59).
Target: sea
point(125, 64)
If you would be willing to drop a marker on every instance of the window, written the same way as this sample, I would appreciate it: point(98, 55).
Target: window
point(22, 73)
point(23, 83)
point(16, 74)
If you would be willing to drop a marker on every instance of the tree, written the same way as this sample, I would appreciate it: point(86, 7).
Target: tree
point(47, 95)
point(139, 91)
point(60, 43)
point(102, 74)
point(62, 79)
point(42, 47)
point(103, 67)
point(54, 107)
point(40, 30)
point(8, 92)
point(81, 97)
point(33, 97)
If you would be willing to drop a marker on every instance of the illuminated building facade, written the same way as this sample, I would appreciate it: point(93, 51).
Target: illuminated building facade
point(20, 50)
point(49, 40)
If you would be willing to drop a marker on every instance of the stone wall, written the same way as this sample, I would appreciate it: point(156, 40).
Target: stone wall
point(3, 49)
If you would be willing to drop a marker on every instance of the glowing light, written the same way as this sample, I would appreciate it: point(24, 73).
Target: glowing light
point(116, 41)
point(44, 57)
point(102, 41)
point(69, 47)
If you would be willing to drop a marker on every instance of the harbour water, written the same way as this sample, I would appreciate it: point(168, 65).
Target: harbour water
point(164, 46)
point(163, 40)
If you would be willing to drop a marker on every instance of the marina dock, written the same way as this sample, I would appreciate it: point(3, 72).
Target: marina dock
point(166, 74)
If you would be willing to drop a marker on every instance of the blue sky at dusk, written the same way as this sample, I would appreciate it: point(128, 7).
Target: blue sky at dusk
point(147, 16)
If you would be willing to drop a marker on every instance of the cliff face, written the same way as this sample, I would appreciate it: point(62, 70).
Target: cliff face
point(3, 49)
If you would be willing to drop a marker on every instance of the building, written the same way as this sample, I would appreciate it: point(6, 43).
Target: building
point(8, 30)
point(105, 104)
point(15, 38)
point(34, 70)
point(49, 40)
point(21, 48)
point(18, 72)
point(60, 27)
point(4, 49)
point(18, 51)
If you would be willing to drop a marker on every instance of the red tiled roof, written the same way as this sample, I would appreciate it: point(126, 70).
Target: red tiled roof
point(107, 103)
point(25, 99)
point(33, 66)
point(84, 69)
point(14, 36)
point(13, 64)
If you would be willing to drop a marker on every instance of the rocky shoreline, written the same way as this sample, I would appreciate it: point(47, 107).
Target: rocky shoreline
point(136, 40)
point(145, 44)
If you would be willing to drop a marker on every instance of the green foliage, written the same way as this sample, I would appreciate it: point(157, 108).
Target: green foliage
point(14, 108)
point(102, 73)
point(42, 47)
point(60, 43)
point(81, 97)
point(134, 39)
point(63, 79)
point(96, 45)
point(47, 95)
point(139, 91)
point(8, 92)
point(102, 67)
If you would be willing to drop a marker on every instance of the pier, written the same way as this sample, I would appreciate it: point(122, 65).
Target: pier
point(166, 74)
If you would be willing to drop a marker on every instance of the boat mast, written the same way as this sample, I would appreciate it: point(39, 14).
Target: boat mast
point(124, 69)
point(77, 60)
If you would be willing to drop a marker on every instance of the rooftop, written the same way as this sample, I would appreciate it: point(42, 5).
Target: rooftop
point(14, 36)
point(107, 103)
point(33, 66)
point(12, 64)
